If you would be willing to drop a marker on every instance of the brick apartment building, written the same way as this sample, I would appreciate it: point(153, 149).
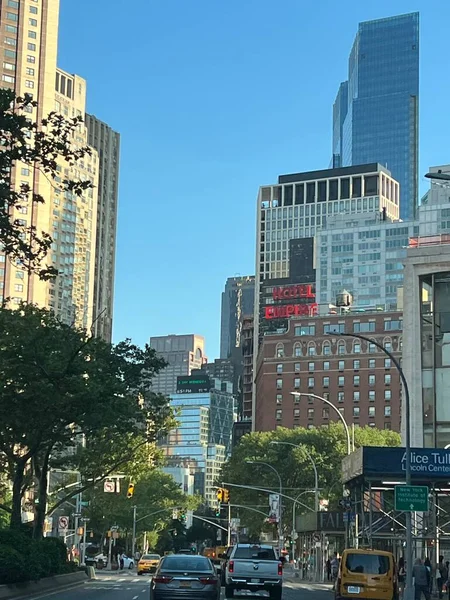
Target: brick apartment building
point(357, 377)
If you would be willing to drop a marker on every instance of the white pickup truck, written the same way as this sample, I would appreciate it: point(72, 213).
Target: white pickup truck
point(254, 567)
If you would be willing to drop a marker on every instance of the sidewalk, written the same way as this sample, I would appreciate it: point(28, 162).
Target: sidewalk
point(294, 576)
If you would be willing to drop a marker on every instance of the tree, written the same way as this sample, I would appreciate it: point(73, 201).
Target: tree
point(327, 446)
point(45, 146)
point(58, 385)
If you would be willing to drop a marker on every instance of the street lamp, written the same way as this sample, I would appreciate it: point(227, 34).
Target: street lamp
point(344, 422)
point(294, 530)
point(316, 477)
point(438, 175)
point(409, 548)
point(280, 529)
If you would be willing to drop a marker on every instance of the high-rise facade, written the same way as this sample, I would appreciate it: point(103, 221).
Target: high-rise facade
point(29, 48)
point(237, 302)
point(183, 353)
point(380, 122)
point(107, 143)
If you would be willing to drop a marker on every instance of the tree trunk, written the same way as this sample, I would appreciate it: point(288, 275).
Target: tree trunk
point(17, 494)
point(41, 508)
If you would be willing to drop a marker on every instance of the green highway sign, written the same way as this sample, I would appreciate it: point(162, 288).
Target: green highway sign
point(411, 498)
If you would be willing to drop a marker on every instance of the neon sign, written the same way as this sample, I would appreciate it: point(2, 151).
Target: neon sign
point(291, 310)
point(293, 291)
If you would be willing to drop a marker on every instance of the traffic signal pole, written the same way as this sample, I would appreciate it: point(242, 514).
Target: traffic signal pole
point(229, 525)
point(133, 542)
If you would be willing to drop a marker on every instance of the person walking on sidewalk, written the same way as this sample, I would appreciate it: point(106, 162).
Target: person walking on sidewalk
point(421, 578)
point(441, 575)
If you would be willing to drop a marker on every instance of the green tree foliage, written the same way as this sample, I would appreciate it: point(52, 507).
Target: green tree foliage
point(326, 445)
point(36, 145)
point(59, 386)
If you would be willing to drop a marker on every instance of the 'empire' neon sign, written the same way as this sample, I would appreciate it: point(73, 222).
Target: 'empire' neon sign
point(291, 310)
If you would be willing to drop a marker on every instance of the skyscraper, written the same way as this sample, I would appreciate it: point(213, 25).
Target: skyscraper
point(183, 353)
point(107, 143)
point(237, 302)
point(380, 121)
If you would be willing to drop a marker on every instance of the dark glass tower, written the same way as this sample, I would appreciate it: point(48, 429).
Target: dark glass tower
point(380, 122)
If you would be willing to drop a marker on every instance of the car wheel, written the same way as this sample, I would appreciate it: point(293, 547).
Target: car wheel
point(229, 592)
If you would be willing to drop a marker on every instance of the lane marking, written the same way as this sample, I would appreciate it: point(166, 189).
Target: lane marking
point(135, 597)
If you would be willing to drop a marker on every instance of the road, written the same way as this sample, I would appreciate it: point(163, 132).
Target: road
point(128, 586)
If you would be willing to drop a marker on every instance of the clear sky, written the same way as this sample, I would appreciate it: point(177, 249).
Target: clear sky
point(213, 99)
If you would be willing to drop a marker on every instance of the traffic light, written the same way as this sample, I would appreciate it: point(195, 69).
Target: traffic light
point(182, 516)
point(220, 492)
point(226, 496)
point(218, 510)
point(130, 491)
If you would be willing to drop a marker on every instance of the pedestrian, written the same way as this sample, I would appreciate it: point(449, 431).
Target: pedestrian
point(137, 556)
point(429, 568)
point(334, 566)
point(421, 578)
point(441, 575)
point(122, 561)
point(328, 568)
point(401, 575)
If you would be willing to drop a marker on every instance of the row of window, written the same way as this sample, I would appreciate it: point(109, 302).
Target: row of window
point(341, 348)
point(358, 327)
point(341, 381)
point(371, 363)
point(326, 412)
point(371, 397)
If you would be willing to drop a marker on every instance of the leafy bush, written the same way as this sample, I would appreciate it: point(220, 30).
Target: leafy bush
point(13, 567)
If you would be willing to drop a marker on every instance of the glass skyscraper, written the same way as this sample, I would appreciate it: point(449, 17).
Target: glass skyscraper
point(375, 114)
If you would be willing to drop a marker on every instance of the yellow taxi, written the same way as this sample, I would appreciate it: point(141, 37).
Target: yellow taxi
point(148, 563)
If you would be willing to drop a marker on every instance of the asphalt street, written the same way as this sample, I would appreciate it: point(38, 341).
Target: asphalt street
point(128, 586)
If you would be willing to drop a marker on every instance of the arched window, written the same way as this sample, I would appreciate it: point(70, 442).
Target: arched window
point(400, 344)
point(387, 343)
point(326, 348)
point(279, 352)
point(341, 347)
point(311, 349)
point(297, 349)
point(356, 347)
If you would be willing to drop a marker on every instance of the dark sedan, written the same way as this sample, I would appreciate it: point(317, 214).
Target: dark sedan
point(184, 577)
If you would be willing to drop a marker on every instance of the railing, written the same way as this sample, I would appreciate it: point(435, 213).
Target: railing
point(429, 240)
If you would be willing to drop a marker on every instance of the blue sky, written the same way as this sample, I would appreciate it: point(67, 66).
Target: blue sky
point(212, 100)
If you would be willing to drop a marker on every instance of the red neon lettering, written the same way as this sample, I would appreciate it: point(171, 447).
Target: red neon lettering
point(269, 312)
point(288, 310)
point(293, 291)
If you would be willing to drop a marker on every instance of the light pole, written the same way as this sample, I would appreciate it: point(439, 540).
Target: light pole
point(344, 422)
point(294, 531)
point(409, 548)
point(316, 477)
point(280, 527)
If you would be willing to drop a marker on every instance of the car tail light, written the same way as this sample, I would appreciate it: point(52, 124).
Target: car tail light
point(280, 568)
point(162, 579)
point(231, 566)
point(209, 580)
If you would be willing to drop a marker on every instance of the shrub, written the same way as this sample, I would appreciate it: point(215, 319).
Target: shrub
point(53, 555)
point(13, 567)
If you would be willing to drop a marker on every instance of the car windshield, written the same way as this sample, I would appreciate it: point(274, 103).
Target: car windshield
point(371, 564)
point(186, 563)
point(255, 552)
point(151, 557)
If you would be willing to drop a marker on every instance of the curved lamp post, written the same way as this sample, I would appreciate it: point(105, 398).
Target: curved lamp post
point(280, 528)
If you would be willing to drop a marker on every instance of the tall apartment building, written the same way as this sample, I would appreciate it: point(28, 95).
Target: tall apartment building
point(237, 302)
point(375, 114)
point(107, 143)
point(29, 47)
point(299, 206)
point(183, 353)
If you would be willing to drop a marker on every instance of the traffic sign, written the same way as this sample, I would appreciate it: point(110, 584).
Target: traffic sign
point(109, 486)
point(411, 498)
point(63, 523)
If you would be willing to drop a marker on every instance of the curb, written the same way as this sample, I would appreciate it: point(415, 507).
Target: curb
point(48, 585)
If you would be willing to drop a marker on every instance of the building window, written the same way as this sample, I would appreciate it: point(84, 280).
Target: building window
point(305, 330)
point(279, 384)
point(356, 348)
point(325, 413)
point(326, 365)
point(296, 399)
point(371, 411)
point(356, 364)
point(8, 78)
point(340, 397)
point(297, 383)
point(310, 413)
point(356, 411)
point(371, 379)
point(12, 4)
point(372, 396)
point(31, 59)
point(32, 35)
point(341, 410)
point(372, 348)
point(326, 348)
point(297, 367)
point(297, 350)
point(10, 41)
point(33, 10)
point(280, 368)
point(387, 395)
point(29, 71)
point(334, 328)
point(9, 66)
point(31, 46)
point(372, 363)
point(364, 327)
point(393, 325)
point(387, 379)
point(18, 287)
point(279, 352)
point(355, 379)
point(32, 22)
point(387, 425)
point(326, 382)
point(311, 349)
point(310, 382)
point(12, 16)
point(279, 398)
point(19, 275)
point(387, 363)
point(341, 365)
point(311, 367)
point(278, 414)
point(296, 413)
point(388, 346)
point(24, 171)
point(387, 411)
point(356, 396)
point(341, 381)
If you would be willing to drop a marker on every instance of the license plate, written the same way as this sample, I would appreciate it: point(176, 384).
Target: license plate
point(185, 584)
point(254, 580)
point(352, 589)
